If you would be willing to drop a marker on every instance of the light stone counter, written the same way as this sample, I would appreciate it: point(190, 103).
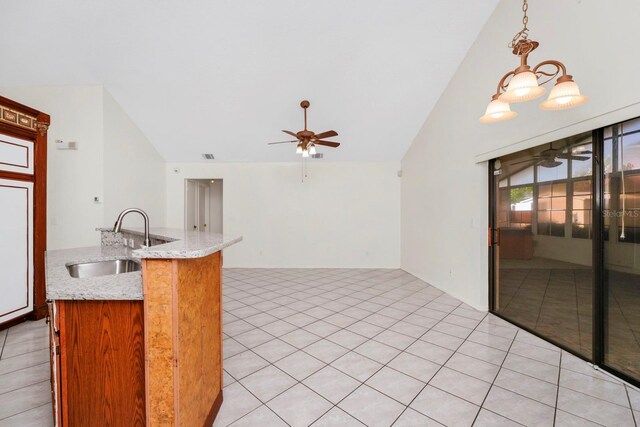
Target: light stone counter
point(60, 285)
point(124, 286)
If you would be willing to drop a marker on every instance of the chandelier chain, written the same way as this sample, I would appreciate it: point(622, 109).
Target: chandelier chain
point(524, 33)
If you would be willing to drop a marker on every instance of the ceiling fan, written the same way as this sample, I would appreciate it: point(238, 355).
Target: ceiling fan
point(549, 157)
point(307, 140)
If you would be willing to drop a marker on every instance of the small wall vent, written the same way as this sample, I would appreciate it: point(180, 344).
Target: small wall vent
point(208, 156)
point(317, 156)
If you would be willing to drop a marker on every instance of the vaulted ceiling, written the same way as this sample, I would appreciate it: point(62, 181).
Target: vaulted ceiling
point(225, 76)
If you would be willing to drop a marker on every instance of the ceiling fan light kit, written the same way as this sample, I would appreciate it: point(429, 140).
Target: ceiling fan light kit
point(523, 84)
point(308, 140)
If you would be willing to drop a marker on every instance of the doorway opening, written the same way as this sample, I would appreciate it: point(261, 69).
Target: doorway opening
point(203, 205)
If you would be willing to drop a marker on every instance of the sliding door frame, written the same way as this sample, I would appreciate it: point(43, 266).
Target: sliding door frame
point(599, 277)
point(597, 247)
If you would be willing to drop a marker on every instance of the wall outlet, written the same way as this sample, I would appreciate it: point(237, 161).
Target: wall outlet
point(131, 243)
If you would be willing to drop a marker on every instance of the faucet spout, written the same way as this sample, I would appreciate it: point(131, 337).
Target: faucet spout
point(118, 225)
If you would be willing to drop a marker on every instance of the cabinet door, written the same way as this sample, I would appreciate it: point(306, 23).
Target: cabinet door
point(16, 155)
point(16, 249)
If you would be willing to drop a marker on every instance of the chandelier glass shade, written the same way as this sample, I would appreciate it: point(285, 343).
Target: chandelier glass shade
point(522, 87)
point(563, 96)
point(497, 111)
point(525, 83)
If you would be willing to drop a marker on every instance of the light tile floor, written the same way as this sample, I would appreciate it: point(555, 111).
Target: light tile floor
point(347, 347)
point(332, 347)
point(25, 390)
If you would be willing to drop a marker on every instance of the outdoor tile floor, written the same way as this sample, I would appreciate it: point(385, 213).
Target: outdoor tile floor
point(351, 347)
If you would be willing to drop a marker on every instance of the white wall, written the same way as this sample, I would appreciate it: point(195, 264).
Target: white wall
point(112, 154)
point(134, 172)
point(73, 177)
point(444, 190)
point(342, 215)
point(216, 206)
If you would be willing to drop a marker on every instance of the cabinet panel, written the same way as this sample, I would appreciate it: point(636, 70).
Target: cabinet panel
point(16, 248)
point(16, 155)
point(102, 363)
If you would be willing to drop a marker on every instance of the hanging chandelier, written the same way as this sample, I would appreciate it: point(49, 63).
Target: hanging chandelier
point(524, 83)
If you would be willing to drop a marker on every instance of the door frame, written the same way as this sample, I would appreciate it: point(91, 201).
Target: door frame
point(20, 121)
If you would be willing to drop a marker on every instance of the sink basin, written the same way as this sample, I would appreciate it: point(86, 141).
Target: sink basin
point(103, 268)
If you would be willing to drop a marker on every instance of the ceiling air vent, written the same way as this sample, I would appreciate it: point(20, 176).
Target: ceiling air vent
point(208, 156)
point(317, 156)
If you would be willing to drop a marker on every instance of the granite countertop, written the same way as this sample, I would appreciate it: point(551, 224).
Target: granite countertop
point(124, 286)
point(60, 285)
point(183, 244)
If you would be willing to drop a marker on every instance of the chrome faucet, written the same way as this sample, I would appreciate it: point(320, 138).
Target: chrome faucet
point(118, 225)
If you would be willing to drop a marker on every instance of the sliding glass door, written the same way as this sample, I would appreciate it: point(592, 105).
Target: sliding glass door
point(565, 244)
point(542, 247)
point(621, 189)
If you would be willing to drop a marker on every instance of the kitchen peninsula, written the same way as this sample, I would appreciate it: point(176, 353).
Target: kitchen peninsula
point(141, 344)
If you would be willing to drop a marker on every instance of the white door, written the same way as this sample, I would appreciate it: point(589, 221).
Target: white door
point(191, 206)
point(203, 206)
point(16, 249)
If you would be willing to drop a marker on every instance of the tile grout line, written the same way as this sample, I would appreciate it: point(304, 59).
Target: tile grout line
point(368, 339)
point(435, 374)
point(325, 364)
point(21, 388)
point(26, 410)
point(3, 343)
point(633, 415)
point(494, 381)
point(555, 410)
point(380, 293)
point(25, 386)
point(401, 351)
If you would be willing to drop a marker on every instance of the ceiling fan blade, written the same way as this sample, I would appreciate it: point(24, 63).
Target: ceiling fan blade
point(569, 156)
point(288, 132)
point(327, 143)
point(327, 134)
point(282, 142)
point(533, 159)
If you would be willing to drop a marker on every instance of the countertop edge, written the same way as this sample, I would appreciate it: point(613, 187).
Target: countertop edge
point(155, 252)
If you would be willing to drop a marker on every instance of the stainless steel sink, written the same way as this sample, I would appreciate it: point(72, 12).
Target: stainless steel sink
point(103, 268)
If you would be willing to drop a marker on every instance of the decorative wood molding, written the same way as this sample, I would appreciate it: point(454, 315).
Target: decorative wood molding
point(42, 127)
point(16, 118)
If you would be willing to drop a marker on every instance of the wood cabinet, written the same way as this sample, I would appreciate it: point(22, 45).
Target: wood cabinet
point(153, 362)
point(98, 369)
